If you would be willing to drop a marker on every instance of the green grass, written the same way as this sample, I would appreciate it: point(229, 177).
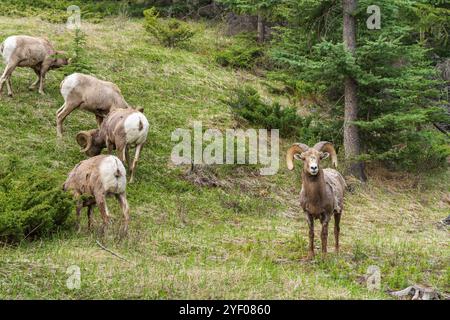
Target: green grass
point(245, 239)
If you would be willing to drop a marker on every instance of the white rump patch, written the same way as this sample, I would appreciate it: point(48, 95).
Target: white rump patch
point(69, 83)
point(113, 175)
point(131, 124)
point(9, 46)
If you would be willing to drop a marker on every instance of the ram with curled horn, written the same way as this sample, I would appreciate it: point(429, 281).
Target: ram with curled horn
point(322, 193)
point(122, 129)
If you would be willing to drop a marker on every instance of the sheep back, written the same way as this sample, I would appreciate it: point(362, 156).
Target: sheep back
point(30, 51)
point(93, 94)
point(128, 125)
point(103, 173)
point(335, 187)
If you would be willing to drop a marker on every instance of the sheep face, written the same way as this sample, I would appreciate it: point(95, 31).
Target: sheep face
point(91, 142)
point(60, 60)
point(311, 160)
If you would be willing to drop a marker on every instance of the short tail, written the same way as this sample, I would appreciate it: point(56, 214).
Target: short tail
point(117, 174)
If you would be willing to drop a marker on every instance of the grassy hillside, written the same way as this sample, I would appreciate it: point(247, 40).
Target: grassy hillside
point(245, 237)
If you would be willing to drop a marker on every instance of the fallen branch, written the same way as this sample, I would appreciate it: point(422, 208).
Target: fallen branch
point(113, 253)
point(418, 292)
point(440, 129)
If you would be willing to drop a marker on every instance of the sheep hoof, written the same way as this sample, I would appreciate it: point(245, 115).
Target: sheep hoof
point(42, 93)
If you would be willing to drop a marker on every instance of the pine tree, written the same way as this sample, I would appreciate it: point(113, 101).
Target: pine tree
point(79, 62)
point(398, 96)
point(351, 135)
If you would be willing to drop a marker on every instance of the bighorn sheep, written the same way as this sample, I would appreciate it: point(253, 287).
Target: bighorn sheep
point(97, 178)
point(25, 51)
point(322, 193)
point(121, 129)
point(90, 94)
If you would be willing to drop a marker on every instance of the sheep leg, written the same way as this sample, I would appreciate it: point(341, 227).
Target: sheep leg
point(310, 220)
point(110, 146)
point(103, 208)
point(324, 234)
point(79, 207)
point(127, 155)
point(135, 160)
point(9, 87)
point(99, 120)
point(121, 151)
point(60, 109)
point(89, 214)
point(62, 113)
point(44, 69)
point(337, 229)
point(42, 80)
point(122, 198)
point(6, 75)
point(38, 73)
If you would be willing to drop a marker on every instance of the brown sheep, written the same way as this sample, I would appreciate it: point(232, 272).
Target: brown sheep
point(35, 53)
point(322, 193)
point(121, 129)
point(97, 178)
point(90, 94)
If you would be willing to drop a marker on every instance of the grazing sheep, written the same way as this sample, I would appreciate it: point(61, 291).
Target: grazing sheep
point(96, 178)
point(35, 53)
point(121, 129)
point(90, 94)
point(322, 193)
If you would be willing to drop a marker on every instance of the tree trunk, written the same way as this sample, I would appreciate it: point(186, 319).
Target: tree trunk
point(351, 136)
point(261, 28)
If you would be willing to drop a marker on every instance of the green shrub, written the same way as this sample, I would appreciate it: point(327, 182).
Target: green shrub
point(247, 104)
point(243, 53)
point(31, 207)
point(169, 32)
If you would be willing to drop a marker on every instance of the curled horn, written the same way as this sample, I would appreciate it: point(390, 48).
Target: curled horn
point(327, 147)
point(296, 148)
point(84, 139)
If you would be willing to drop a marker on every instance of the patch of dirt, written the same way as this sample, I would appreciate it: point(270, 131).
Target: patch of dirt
point(204, 176)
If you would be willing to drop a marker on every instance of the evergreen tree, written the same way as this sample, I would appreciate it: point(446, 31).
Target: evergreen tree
point(398, 96)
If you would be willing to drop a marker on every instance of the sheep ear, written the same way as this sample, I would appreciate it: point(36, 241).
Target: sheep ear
point(298, 156)
point(324, 155)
